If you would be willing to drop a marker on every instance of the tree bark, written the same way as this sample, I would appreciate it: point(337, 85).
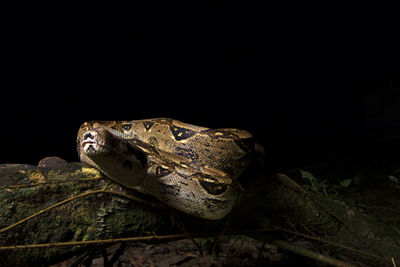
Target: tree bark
point(91, 214)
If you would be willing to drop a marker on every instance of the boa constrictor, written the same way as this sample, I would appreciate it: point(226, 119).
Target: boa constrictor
point(190, 168)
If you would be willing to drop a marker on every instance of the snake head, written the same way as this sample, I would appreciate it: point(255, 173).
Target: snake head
point(112, 153)
point(93, 141)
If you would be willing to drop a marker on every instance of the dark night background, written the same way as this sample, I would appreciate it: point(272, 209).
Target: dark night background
point(311, 83)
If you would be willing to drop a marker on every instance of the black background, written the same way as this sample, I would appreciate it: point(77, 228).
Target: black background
point(310, 82)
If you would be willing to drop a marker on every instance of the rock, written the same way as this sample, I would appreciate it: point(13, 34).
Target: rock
point(54, 163)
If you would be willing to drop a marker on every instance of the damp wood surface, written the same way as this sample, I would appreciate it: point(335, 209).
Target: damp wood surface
point(328, 224)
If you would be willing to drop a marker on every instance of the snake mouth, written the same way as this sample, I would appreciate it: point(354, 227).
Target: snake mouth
point(85, 142)
point(90, 147)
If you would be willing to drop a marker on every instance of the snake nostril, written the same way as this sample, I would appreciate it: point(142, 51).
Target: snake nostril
point(88, 136)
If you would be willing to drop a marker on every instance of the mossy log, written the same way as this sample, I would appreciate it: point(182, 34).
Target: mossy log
point(95, 208)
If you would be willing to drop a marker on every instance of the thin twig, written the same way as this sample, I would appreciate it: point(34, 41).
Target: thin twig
point(91, 242)
point(366, 253)
point(127, 239)
point(18, 186)
point(308, 253)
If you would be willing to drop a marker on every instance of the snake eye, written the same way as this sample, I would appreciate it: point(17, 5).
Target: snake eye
point(127, 126)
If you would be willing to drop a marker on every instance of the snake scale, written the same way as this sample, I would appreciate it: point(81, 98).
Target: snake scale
point(190, 168)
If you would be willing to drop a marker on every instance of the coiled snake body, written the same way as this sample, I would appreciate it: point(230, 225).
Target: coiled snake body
point(193, 169)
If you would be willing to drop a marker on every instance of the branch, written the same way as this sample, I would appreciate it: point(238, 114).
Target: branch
point(63, 208)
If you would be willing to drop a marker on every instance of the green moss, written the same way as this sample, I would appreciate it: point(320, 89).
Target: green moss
point(36, 176)
point(86, 172)
point(78, 234)
point(86, 237)
point(21, 175)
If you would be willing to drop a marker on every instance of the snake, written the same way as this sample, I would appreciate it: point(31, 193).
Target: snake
point(190, 168)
